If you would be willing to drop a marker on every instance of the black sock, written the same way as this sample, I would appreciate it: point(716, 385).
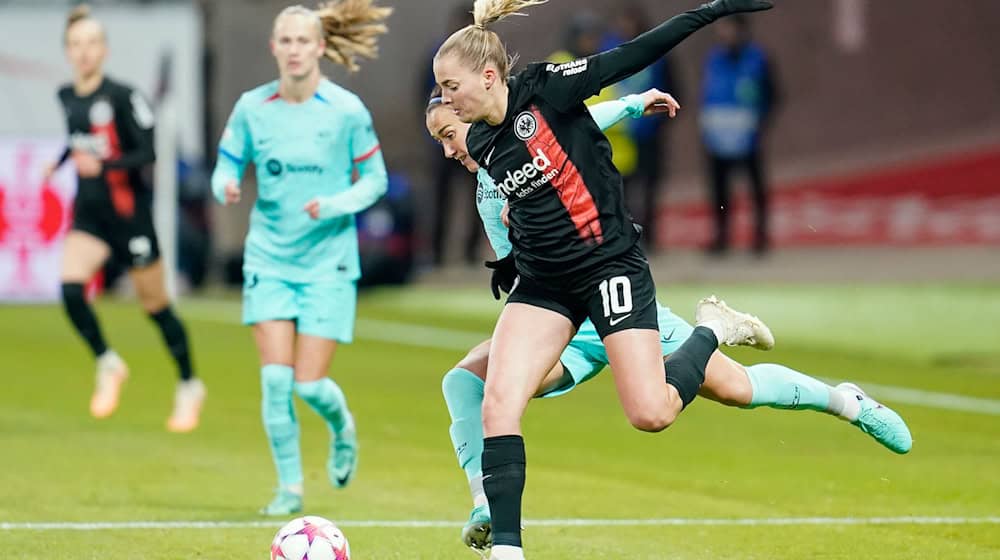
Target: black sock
point(685, 367)
point(176, 339)
point(83, 318)
point(503, 480)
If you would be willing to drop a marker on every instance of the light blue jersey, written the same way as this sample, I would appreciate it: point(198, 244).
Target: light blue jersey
point(303, 151)
point(490, 202)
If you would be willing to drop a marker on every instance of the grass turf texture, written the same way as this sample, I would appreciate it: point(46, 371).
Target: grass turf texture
point(584, 461)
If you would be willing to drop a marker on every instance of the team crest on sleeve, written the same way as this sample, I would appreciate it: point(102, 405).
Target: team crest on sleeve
point(141, 110)
point(101, 112)
point(525, 125)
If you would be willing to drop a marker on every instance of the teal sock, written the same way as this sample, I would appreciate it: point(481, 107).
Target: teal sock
point(280, 423)
point(463, 392)
point(328, 400)
point(777, 386)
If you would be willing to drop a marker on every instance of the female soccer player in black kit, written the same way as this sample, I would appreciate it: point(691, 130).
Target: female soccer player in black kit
point(111, 142)
point(575, 248)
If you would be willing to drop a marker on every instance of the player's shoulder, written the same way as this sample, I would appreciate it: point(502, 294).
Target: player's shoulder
point(530, 75)
point(116, 89)
point(339, 97)
point(65, 92)
point(258, 96)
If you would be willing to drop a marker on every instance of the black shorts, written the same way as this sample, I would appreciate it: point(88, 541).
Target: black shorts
point(132, 239)
point(617, 295)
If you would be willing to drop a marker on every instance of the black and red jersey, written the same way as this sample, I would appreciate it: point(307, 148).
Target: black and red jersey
point(115, 124)
point(553, 164)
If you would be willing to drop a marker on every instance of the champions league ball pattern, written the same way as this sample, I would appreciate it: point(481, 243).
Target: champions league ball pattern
point(310, 538)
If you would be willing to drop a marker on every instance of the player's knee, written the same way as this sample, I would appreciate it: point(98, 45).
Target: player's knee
point(477, 360)
point(459, 381)
point(652, 419)
point(276, 381)
point(499, 414)
point(153, 301)
point(726, 382)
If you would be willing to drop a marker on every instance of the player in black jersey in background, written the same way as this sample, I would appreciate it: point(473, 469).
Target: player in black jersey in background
point(574, 245)
point(111, 142)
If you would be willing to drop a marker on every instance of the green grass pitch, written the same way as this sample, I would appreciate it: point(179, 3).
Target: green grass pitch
point(57, 465)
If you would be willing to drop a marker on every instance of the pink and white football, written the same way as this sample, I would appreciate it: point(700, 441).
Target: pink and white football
point(310, 538)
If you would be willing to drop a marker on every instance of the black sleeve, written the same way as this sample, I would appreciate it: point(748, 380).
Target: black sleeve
point(61, 95)
point(135, 123)
point(567, 85)
point(562, 85)
point(65, 155)
point(630, 58)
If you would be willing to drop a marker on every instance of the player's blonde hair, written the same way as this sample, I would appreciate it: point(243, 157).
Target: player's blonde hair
point(80, 12)
point(476, 45)
point(349, 27)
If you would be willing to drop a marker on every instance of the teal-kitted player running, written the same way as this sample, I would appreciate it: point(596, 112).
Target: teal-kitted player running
point(726, 381)
point(318, 164)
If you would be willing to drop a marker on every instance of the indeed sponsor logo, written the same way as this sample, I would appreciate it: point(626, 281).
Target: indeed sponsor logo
point(535, 173)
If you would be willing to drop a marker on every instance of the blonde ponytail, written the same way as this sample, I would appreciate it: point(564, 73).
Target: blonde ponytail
point(351, 29)
point(488, 12)
point(477, 45)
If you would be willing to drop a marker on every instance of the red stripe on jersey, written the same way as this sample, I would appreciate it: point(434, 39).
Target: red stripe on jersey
point(122, 194)
point(275, 96)
point(367, 154)
point(568, 183)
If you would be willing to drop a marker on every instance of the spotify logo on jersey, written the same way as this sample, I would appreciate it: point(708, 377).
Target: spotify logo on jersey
point(273, 167)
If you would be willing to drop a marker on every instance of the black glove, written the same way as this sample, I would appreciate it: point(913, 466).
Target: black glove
point(504, 274)
point(729, 7)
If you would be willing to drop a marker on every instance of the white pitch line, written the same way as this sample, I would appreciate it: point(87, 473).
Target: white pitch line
point(423, 336)
point(417, 524)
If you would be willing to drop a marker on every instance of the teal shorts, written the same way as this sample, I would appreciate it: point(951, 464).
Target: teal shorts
point(585, 355)
point(321, 309)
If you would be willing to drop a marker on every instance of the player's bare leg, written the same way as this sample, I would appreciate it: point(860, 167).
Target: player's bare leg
point(650, 403)
point(189, 397)
point(84, 255)
point(526, 344)
point(463, 388)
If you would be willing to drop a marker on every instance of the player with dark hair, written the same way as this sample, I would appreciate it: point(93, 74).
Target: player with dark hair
point(575, 248)
point(726, 381)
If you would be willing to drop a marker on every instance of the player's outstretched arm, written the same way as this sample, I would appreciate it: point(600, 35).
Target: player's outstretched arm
point(653, 101)
point(631, 57)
